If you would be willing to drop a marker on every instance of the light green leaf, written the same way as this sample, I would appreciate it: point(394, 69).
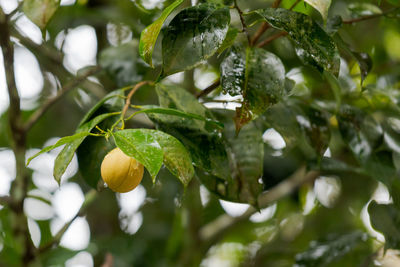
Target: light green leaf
point(229, 40)
point(321, 5)
point(176, 158)
point(314, 46)
point(40, 11)
point(65, 156)
point(149, 35)
point(62, 141)
point(143, 146)
point(193, 36)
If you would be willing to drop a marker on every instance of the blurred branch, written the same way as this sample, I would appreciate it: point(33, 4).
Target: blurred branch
point(235, 5)
point(350, 21)
point(223, 223)
point(89, 198)
point(271, 38)
point(209, 89)
point(294, 4)
point(69, 86)
point(108, 260)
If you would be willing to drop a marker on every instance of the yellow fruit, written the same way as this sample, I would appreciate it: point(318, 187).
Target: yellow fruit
point(120, 172)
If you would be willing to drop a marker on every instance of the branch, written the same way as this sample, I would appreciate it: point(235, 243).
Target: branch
point(223, 223)
point(264, 26)
point(209, 89)
point(46, 105)
point(89, 198)
point(242, 20)
point(294, 4)
point(369, 16)
point(8, 57)
point(271, 38)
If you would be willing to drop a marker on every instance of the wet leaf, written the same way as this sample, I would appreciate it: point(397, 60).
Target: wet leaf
point(149, 35)
point(65, 156)
point(313, 45)
point(229, 40)
point(321, 5)
point(257, 75)
point(143, 146)
point(193, 36)
point(176, 158)
point(40, 11)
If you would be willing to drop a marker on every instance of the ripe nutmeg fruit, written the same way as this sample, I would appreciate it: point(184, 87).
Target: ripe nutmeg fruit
point(120, 172)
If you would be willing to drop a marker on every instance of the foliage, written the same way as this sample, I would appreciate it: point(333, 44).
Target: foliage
point(289, 107)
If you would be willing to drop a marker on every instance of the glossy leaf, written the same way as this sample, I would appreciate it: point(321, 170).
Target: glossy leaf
point(149, 35)
point(143, 146)
point(385, 218)
point(321, 5)
point(40, 11)
point(313, 45)
point(193, 36)
point(257, 75)
point(176, 158)
point(65, 156)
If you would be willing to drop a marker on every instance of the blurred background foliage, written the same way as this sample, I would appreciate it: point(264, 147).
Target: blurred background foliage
point(351, 137)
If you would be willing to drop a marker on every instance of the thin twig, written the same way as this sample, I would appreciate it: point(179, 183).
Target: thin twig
point(294, 4)
point(128, 99)
point(242, 20)
point(264, 26)
point(369, 16)
point(209, 89)
point(223, 223)
point(89, 198)
point(46, 105)
point(271, 38)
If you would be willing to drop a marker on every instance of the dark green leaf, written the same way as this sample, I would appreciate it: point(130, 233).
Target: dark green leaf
point(176, 158)
point(143, 146)
point(325, 253)
point(123, 64)
point(256, 74)
point(149, 35)
point(40, 11)
point(65, 156)
point(193, 36)
point(314, 46)
point(385, 218)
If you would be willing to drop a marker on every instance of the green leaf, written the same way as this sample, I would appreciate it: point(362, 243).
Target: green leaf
point(143, 146)
point(325, 253)
point(40, 11)
point(62, 141)
point(149, 35)
point(176, 158)
point(229, 40)
point(363, 9)
point(246, 157)
point(65, 156)
point(257, 75)
point(321, 5)
point(123, 64)
point(206, 146)
point(175, 112)
point(314, 46)
point(193, 36)
point(385, 218)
